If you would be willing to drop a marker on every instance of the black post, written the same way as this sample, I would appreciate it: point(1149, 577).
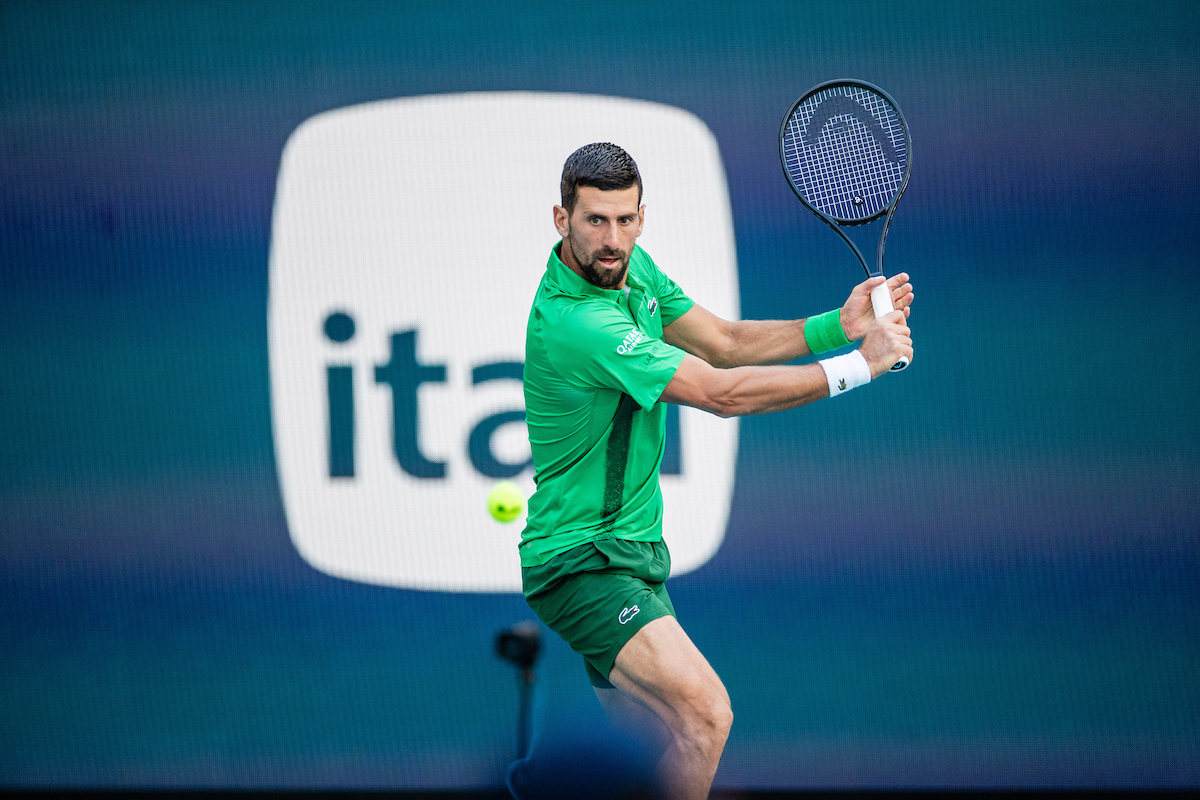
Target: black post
point(520, 646)
point(526, 712)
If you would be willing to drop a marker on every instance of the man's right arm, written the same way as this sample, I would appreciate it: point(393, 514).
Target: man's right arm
point(743, 391)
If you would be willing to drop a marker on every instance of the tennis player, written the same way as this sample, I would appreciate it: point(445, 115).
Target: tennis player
point(610, 340)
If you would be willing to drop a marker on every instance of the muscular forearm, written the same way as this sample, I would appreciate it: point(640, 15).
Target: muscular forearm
point(759, 342)
point(737, 344)
point(761, 390)
point(742, 391)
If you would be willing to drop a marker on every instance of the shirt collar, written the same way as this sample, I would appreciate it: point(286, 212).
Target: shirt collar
point(566, 279)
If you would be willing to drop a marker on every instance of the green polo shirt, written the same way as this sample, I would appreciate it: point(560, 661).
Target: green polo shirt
point(595, 366)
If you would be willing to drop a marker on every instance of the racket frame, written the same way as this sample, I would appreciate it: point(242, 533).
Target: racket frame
point(888, 210)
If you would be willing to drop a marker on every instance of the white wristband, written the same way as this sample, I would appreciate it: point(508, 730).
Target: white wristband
point(846, 372)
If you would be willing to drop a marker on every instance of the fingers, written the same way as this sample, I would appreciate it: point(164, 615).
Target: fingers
point(902, 293)
point(902, 297)
point(866, 286)
point(888, 340)
point(901, 334)
point(901, 289)
point(904, 340)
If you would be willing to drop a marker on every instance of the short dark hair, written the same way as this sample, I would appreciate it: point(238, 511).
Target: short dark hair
point(602, 165)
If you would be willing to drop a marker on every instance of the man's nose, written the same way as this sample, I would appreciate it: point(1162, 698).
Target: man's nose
point(612, 236)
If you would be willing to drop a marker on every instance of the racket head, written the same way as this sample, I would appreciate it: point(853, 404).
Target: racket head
point(844, 147)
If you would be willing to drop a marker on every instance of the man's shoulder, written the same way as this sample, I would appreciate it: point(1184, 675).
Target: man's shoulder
point(642, 261)
point(563, 308)
point(644, 269)
point(585, 318)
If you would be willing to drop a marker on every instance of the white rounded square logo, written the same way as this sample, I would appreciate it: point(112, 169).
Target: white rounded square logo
point(408, 240)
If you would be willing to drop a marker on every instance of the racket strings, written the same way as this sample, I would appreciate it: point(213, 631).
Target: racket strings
point(850, 162)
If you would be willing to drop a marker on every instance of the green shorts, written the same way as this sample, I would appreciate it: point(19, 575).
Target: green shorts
point(598, 595)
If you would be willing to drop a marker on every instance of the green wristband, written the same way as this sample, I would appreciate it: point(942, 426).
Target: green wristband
point(824, 332)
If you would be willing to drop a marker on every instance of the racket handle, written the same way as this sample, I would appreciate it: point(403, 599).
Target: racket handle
point(881, 301)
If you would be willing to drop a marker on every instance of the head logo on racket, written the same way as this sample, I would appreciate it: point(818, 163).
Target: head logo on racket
point(827, 111)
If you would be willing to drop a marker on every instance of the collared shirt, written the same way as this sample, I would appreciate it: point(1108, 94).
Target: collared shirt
point(595, 366)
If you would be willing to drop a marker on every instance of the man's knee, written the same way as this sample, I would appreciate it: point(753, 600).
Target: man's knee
point(720, 716)
point(708, 715)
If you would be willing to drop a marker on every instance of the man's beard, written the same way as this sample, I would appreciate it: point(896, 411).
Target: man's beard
point(588, 266)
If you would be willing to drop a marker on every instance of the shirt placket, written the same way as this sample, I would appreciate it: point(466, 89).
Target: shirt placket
point(633, 304)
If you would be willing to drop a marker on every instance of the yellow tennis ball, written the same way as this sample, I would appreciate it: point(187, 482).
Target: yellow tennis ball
point(506, 501)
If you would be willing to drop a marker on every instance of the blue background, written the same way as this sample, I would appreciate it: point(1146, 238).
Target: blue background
point(983, 572)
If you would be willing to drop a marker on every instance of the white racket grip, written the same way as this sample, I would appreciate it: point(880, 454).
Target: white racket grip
point(881, 301)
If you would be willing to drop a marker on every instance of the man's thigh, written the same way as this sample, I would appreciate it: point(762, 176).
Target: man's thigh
point(663, 670)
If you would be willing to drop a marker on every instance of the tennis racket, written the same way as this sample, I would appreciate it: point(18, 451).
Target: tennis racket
point(845, 150)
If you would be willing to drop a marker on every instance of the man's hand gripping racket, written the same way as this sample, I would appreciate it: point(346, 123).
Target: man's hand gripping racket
point(845, 151)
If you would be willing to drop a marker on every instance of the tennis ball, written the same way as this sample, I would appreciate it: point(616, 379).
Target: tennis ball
point(506, 501)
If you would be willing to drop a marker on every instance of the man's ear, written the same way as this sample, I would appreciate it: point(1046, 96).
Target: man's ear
point(562, 221)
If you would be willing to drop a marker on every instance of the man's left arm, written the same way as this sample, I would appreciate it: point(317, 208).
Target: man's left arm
point(728, 344)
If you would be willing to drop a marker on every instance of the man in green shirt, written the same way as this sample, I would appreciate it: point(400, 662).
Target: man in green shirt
point(610, 340)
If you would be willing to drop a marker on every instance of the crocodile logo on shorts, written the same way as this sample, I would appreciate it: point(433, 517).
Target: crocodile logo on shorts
point(627, 614)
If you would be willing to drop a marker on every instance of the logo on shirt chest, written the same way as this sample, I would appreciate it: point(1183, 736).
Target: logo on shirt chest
point(652, 305)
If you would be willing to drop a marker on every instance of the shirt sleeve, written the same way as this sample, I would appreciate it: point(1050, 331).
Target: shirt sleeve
point(603, 349)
